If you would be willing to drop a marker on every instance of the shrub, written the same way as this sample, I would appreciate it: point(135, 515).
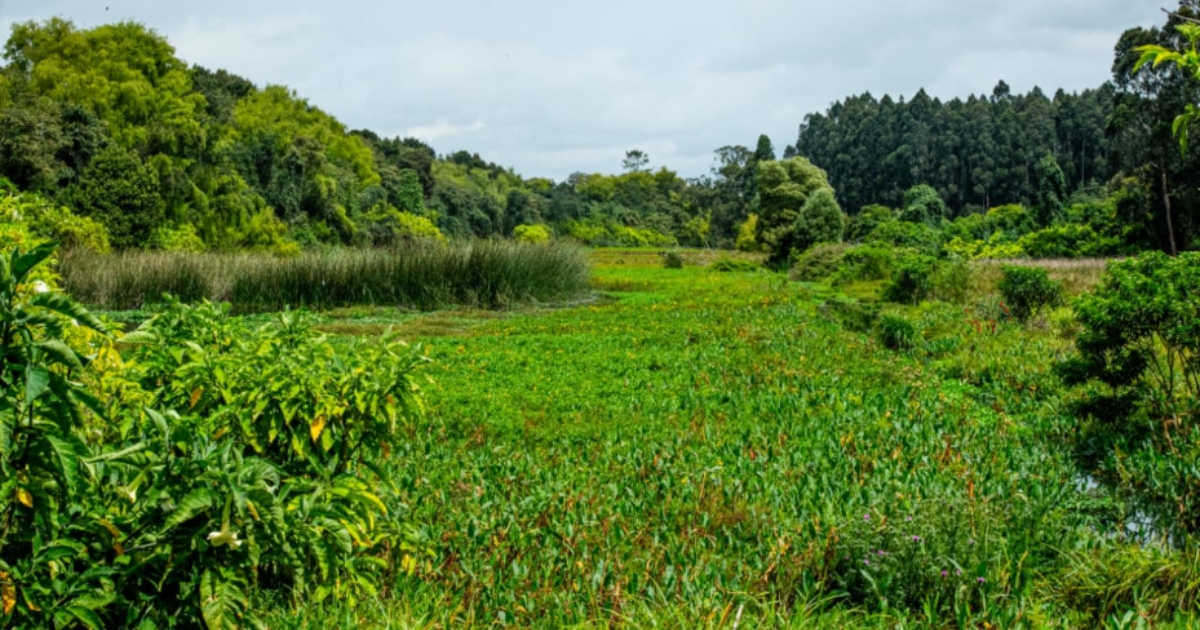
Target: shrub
point(1140, 342)
point(896, 333)
point(902, 234)
point(127, 516)
point(820, 221)
point(923, 204)
point(1027, 290)
point(532, 234)
point(672, 260)
point(951, 280)
point(747, 240)
point(818, 262)
point(181, 239)
point(867, 219)
point(866, 262)
point(727, 264)
point(912, 279)
point(1068, 241)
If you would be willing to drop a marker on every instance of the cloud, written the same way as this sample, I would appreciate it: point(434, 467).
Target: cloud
point(441, 129)
point(570, 86)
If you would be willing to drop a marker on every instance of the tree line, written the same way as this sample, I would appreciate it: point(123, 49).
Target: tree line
point(109, 123)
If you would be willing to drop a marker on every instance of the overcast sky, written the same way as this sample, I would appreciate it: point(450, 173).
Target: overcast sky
point(555, 86)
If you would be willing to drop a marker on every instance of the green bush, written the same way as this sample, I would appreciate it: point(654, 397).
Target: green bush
point(818, 262)
point(820, 221)
point(1027, 290)
point(532, 233)
point(866, 262)
point(259, 472)
point(902, 234)
point(1140, 343)
point(896, 333)
point(672, 260)
point(1068, 241)
point(952, 280)
point(912, 279)
point(727, 264)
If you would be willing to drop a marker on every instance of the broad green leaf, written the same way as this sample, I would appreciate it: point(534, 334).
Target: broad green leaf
point(63, 305)
point(37, 381)
point(22, 264)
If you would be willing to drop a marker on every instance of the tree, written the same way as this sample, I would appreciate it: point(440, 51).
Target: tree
point(820, 220)
point(765, 151)
point(1052, 191)
point(635, 161)
point(122, 193)
point(784, 188)
point(923, 204)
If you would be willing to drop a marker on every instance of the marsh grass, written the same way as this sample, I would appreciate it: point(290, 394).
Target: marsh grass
point(485, 274)
point(1076, 275)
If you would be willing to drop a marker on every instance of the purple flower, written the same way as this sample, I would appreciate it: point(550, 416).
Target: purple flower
point(958, 572)
point(867, 562)
point(867, 516)
point(944, 574)
point(916, 539)
point(880, 552)
point(981, 580)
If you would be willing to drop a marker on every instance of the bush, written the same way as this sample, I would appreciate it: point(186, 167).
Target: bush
point(867, 219)
point(1140, 342)
point(727, 264)
point(531, 234)
point(912, 279)
point(951, 281)
point(820, 221)
point(256, 473)
point(672, 260)
point(818, 262)
point(866, 263)
point(923, 205)
point(902, 234)
point(896, 333)
point(1068, 241)
point(747, 240)
point(1027, 290)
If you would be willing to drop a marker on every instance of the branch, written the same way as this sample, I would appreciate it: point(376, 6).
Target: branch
point(1181, 17)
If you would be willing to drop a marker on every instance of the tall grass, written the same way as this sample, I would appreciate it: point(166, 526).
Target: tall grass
point(489, 274)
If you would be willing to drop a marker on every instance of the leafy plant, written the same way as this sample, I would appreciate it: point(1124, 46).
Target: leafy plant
point(1027, 290)
point(672, 260)
point(896, 333)
point(912, 279)
point(1140, 341)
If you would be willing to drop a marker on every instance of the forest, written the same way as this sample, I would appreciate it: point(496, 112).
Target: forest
point(109, 123)
point(935, 365)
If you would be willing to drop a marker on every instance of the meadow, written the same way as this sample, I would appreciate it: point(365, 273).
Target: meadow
point(719, 450)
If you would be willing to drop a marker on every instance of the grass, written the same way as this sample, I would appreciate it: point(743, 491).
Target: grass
point(707, 450)
point(485, 274)
point(1077, 276)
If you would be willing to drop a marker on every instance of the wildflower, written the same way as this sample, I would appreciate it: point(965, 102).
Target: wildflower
point(944, 573)
point(880, 552)
point(867, 516)
point(224, 537)
point(916, 539)
point(958, 572)
point(908, 518)
point(981, 580)
point(40, 287)
point(867, 562)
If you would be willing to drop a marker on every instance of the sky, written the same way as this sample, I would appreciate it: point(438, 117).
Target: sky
point(551, 87)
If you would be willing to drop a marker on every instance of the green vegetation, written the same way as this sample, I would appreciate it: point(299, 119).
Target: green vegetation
point(420, 275)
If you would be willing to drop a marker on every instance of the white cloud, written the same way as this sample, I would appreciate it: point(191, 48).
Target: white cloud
point(442, 129)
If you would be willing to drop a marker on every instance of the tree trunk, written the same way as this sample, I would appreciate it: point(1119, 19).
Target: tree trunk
point(1167, 206)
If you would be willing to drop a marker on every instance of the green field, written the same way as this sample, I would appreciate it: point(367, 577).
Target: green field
point(702, 449)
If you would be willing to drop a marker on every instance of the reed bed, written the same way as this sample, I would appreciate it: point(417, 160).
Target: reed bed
point(484, 274)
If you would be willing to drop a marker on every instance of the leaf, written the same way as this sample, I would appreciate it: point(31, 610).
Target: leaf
point(24, 498)
point(67, 307)
point(24, 263)
point(196, 502)
point(61, 353)
point(86, 617)
point(221, 602)
point(317, 426)
point(37, 381)
point(66, 458)
point(8, 592)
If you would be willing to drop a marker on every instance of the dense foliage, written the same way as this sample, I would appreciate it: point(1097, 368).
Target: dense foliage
point(155, 487)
